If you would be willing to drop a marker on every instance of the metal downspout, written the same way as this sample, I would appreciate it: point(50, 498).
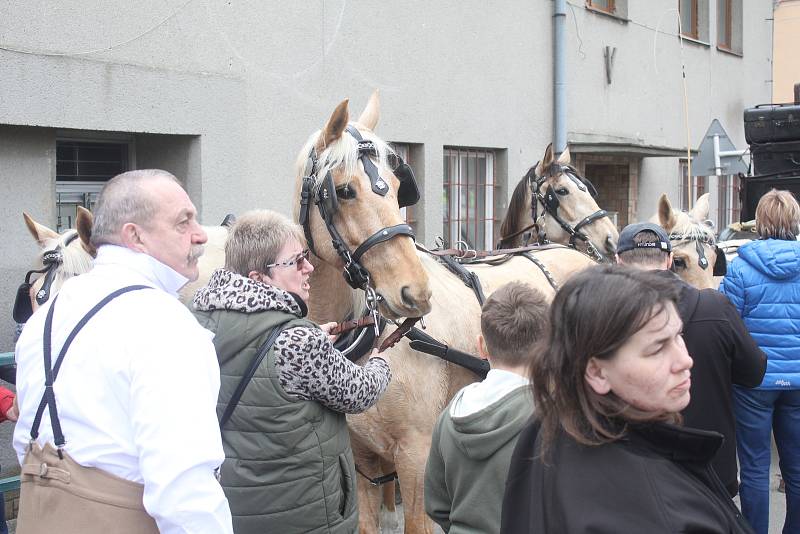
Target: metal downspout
point(559, 77)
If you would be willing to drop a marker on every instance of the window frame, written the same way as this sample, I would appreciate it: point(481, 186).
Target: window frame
point(694, 31)
point(69, 194)
point(729, 209)
point(611, 8)
point(455, 183)
point(408, 213)
point(699, 185)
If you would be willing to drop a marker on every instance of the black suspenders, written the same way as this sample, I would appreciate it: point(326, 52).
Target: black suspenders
point(51, 371)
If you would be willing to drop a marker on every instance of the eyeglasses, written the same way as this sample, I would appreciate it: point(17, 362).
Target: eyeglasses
point(295, 261)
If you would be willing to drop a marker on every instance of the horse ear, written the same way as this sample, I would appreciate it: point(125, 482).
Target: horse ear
point(39, 232)
point(699, 211)
point(547, 160)
point(336, 124)
point(564, 158)
point(369, 117)
point(666, 218)
point(83, 224)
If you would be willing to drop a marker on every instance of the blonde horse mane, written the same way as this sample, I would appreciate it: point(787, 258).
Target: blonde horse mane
point(687, 229)
point(342, 153)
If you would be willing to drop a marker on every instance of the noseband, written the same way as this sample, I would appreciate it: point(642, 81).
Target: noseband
point(51, 259)
point(550, 204)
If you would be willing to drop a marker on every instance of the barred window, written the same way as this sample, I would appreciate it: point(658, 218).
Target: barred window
point(469, 197)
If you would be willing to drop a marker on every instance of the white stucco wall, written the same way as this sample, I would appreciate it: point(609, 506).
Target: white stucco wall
point(224, 93)
point(644, 104)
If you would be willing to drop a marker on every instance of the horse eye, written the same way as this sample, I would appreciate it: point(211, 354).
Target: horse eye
point(346, 192)
point(680, 263)
point(562, 191)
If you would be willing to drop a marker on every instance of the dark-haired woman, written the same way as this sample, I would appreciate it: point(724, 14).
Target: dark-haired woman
point(605, 452)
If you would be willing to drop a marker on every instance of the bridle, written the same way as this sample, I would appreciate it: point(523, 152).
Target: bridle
point(550, 204)
point(51, 259)
point(721, 263)
point(356, 275)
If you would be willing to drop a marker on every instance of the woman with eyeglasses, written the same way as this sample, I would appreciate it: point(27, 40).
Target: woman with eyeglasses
point(288, 465)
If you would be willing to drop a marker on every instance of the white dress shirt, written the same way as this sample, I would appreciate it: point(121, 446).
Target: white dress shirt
point(137, 391)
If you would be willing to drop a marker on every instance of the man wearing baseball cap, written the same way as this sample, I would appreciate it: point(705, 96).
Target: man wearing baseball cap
point(715, 337)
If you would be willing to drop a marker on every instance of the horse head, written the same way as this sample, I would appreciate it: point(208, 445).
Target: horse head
point(350, 187)
point(61, 257)
point(696, 257)
point(560, 204)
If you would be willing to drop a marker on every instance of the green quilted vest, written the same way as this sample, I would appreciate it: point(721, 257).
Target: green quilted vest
point(288, 463)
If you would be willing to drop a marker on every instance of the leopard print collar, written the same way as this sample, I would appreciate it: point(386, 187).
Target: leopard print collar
point(227, 290)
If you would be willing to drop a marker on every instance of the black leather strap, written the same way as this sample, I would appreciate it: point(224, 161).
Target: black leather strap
point(51, 371)
point(237, 394)
point(422, 342)
point(469, 278)
point(380, 236)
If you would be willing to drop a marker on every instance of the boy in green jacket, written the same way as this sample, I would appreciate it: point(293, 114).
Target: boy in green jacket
point(473, 440)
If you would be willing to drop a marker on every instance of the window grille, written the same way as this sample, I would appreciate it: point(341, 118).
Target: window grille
point(693, 188)
point(468, 197)
point(82, 168)
point(729, 208)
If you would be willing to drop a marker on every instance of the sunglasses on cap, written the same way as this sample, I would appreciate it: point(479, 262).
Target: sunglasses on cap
point(295, 261)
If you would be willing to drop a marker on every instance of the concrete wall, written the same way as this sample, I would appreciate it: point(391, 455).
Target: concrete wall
point(27, 170)
point(644, 104)
point(224, 93)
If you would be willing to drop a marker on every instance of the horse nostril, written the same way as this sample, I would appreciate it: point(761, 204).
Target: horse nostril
point(408, 299)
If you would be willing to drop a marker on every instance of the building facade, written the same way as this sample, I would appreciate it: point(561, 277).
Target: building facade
point(223, 93)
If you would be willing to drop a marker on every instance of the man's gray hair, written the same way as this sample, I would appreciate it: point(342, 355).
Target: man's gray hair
point(125, 199)
point(256, 239)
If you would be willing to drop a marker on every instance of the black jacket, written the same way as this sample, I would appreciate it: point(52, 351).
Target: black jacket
point(657, 479)
point(723, 354)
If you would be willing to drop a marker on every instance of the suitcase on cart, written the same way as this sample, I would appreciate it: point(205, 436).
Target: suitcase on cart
point(772, 123)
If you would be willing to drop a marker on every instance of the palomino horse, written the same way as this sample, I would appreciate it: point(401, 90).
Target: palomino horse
point(552, 202)
point(396, 433)
point(61, 257)
point(696, 257)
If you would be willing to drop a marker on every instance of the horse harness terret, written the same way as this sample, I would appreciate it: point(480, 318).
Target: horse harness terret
point(51, 259)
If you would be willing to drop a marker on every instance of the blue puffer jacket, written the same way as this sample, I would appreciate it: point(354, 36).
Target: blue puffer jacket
point(764, 285)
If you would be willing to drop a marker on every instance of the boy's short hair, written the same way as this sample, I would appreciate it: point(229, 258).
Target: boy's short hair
point(513, 319)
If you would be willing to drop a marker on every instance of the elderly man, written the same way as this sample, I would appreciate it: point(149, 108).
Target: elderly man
point(127, 439)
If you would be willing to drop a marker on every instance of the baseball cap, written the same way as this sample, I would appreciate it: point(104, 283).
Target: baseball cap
point(627, 235)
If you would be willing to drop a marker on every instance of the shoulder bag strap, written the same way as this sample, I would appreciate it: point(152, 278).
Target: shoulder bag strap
point(237, 394)
point(51, 371)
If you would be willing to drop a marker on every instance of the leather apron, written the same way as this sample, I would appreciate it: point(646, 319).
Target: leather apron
point(59, 495)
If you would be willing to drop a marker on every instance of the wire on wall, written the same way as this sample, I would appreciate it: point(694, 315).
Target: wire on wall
point(98, 50)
